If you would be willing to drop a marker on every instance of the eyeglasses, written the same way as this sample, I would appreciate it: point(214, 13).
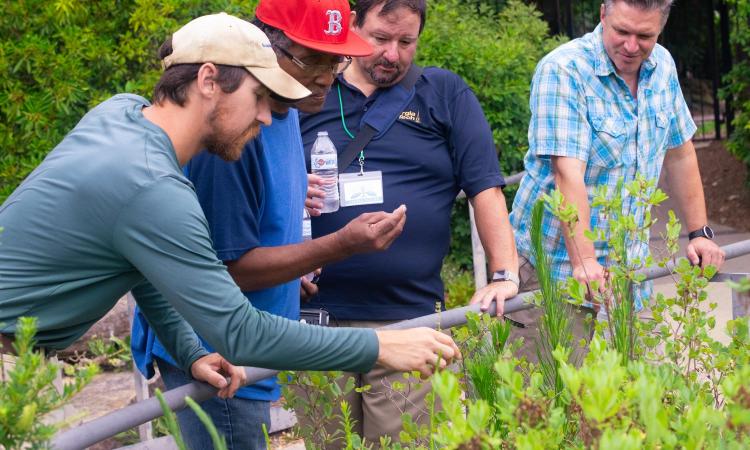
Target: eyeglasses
point(335, 68)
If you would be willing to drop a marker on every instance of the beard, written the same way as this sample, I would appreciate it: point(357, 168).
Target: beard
point(381, 79)
point(224, 144)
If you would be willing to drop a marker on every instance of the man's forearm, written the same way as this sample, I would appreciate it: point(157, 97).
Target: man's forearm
point(569, 179)
point(263, 267)
point(267, 266)
point(495, 232)
point(682, 164)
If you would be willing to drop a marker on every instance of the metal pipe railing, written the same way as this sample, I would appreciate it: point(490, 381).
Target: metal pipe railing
point(131, 416)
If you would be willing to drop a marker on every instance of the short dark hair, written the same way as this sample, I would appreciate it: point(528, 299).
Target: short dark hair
point(174, 82)
point(275, 35)
point(364, 6)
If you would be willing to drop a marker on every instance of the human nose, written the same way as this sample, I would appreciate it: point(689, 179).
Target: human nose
point(391, 51)
point(264, 110)
point(325, 78)
point(631, 44)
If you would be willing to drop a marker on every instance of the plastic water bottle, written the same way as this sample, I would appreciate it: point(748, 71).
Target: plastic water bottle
point(307, 234)
point(324, 163)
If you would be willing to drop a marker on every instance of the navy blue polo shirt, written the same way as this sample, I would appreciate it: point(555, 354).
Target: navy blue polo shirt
point(440, 144)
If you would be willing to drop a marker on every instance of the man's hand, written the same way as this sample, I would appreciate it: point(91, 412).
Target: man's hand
point(421, 349)
point(315, 194)
point(589, 271)
point(213, 369)
point(308, 289)
point(498, 290)
point(705, 252)
point(372, 231)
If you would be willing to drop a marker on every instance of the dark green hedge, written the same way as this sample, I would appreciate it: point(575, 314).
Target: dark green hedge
point(738, 81)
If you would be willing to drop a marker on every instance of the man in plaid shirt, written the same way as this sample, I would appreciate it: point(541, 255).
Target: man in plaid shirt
point(603, 107)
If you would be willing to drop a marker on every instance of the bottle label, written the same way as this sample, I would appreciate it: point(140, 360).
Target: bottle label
point(306, 229)
point(320, 162)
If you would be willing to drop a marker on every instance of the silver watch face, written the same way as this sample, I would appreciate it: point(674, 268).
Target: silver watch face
point(708, 232)
point(505, 275)
point(500, 275)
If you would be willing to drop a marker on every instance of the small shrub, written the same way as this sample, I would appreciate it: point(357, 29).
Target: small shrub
point(459, 284)
point(29, 393)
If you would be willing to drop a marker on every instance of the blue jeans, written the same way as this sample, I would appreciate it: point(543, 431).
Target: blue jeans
point(237, 419)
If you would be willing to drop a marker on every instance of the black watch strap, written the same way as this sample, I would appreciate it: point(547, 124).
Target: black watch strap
point(704, 231)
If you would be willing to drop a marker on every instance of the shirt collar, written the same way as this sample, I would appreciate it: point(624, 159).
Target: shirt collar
point(603, 65)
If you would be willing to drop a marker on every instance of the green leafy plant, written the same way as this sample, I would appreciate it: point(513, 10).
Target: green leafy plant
point(218, 441)
point(665, 384)
point(620, 235)
point(28, 393)
point(459, 284)
point(317, 395)
point(111, 353)
point(554, 325)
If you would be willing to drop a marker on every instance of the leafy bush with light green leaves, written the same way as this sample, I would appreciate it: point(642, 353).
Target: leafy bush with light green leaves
point(664, 383)
point(28, 393)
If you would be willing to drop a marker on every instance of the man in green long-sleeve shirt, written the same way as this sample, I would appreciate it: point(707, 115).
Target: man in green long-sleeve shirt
point(109, 211)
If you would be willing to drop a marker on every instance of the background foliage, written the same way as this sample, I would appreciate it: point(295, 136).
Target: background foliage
point(738, 80)
point(60, 58)
point(496, 54)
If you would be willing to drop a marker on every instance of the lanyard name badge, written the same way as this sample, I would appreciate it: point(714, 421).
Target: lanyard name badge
point(361, 188)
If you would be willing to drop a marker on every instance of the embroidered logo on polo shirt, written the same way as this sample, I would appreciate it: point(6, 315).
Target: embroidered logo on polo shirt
point(334, 22)
point(410, 115)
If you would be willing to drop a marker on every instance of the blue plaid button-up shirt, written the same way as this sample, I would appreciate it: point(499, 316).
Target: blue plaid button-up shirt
point(580, 108)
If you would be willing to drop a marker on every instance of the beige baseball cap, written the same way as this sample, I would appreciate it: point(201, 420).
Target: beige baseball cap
point(228, 40)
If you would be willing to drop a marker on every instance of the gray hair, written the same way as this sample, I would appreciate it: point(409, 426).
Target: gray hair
point(276, 36)
point(663, 5)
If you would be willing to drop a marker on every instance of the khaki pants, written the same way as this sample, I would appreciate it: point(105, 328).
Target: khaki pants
point(581, 320)
point(378, 411)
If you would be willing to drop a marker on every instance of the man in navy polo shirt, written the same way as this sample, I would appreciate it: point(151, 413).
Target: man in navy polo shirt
point(254, 211)
point(439, 145)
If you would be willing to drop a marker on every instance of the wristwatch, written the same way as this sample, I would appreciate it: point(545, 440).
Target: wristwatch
point(506, 275)
point(704, 231)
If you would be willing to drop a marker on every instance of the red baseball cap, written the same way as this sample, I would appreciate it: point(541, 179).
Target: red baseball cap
point(321, 25)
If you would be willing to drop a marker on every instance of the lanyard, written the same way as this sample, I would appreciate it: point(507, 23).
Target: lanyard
point(349, 133)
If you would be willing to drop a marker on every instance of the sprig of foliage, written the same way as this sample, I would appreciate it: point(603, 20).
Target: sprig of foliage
point(173, 426)
point(29, 392)
point(554, 324)
point(315, 395)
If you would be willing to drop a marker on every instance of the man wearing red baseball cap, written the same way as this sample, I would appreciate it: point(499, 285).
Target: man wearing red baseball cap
point(254, 209)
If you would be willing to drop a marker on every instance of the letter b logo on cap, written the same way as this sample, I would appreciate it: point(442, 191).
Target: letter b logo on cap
point(334, 22)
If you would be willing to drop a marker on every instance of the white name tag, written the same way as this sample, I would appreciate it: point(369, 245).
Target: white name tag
point(361, 188)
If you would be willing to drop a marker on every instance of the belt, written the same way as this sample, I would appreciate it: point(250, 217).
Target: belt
point(6, 345)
